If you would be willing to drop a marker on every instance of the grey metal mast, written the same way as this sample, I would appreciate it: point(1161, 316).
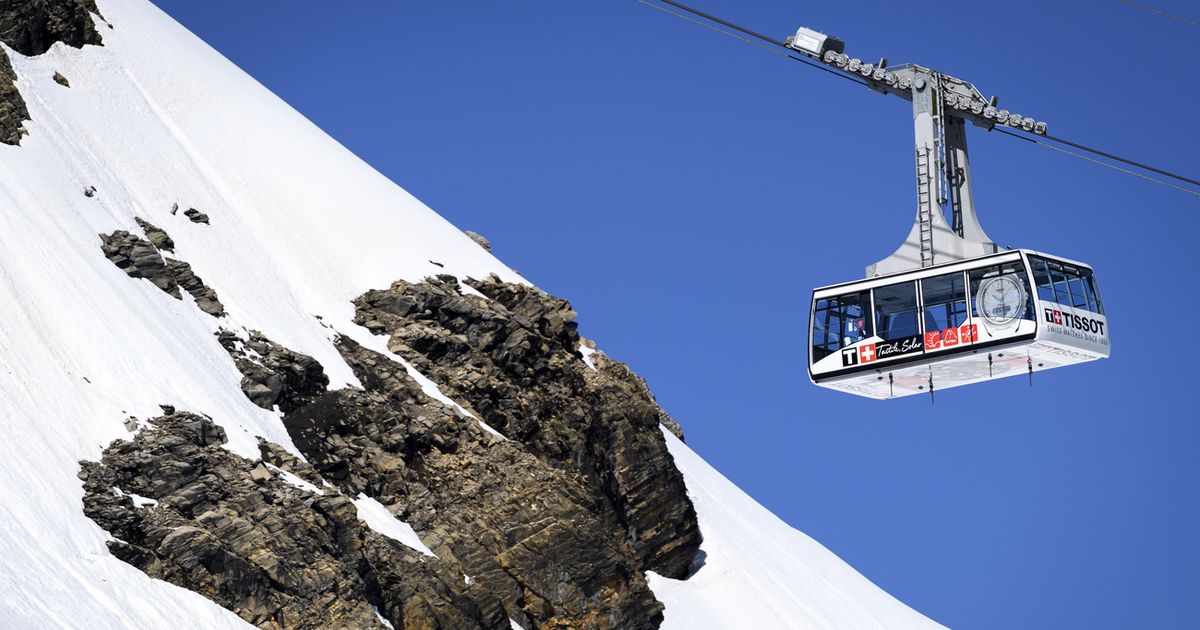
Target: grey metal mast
point(942, 105)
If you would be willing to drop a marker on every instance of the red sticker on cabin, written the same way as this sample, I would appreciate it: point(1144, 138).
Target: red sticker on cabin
point(933, 340)
point(950, 337)
point(866, 354)
point(969, 333)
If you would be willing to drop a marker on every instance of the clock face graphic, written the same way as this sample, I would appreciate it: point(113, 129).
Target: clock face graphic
point(1001, 300)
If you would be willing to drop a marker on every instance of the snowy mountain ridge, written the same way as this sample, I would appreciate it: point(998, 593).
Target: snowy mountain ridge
point(152, 123)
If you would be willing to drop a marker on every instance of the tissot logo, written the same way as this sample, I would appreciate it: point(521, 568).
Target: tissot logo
point(1078, 322)
point(849, 357)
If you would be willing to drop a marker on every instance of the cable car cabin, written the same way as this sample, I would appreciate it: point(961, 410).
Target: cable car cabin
point(1006, 314)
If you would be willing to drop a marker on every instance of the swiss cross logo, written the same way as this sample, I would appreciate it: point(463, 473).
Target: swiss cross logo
point(933, 340)
point(866, 354)
point(950, 337)
point(968, 333)
point(1058, 317)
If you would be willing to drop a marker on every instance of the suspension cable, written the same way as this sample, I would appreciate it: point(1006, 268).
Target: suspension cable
point(719, 25)
point(1095, 161)
point(774, 51)
point(1161, 12)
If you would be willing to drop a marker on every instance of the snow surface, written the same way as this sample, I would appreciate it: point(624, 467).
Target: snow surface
point(381, 519)
point(299, 227)
point(295, 481)
point(759, 572)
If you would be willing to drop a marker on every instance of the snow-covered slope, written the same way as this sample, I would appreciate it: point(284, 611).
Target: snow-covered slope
point(299, 227)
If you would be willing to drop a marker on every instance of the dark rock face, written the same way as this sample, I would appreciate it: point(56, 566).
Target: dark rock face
point(157, 235)
point(141, 259)
point(514, 358)
point(278, 556)
point(553, 527)
point(195, 216)
point(206, 298)
point(13, 112)
point(273, 375)
point(479, 239)
point(61, 80)
point(30, 27)
point(531, 534)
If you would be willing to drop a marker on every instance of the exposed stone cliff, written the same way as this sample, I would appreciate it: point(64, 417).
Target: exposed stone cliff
point(551, 518)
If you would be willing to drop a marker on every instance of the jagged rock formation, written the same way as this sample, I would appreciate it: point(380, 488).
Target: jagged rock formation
point(514, 357)
point(13, 112)
point(534, 535)
point(278, 555)
point(554, 527)
point(273, 375)
point(206, 298)
point(195, 216)
point(157, 235)
point(479, 239)
point(30, 27)
point(142, 259)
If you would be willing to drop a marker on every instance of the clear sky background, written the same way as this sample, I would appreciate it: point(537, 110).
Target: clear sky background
point(686, 192)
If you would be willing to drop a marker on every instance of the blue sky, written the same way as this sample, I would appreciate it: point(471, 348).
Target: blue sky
point(686, 192)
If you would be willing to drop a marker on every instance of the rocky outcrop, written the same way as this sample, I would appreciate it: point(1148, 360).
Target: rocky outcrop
point(13, 112)
point(532, 534)
point(514, 358)
point(479, 239)
point(273, 375)
point(30, 27)
point(206, 298)
point(553, 525)
point(195, 216)
point(159, 237)
point(185, 510)
point(142, 259)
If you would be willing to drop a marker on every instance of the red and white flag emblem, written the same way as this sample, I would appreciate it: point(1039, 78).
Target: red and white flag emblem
point(866, 354)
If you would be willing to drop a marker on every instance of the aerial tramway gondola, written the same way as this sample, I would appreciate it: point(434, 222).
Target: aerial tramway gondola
point(949, 307)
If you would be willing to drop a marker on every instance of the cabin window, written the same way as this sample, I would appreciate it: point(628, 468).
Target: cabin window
point(1066, 284)
point(1089, 285)
point(839, 322)
point(1061, 294)
point(1041, 277)
point(945, 299)
point(896, 311)
point(1015, 269)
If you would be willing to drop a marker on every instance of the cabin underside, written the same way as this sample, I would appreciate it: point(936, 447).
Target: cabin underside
point(1018, 359)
